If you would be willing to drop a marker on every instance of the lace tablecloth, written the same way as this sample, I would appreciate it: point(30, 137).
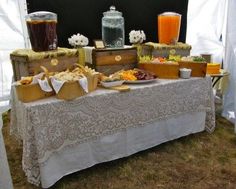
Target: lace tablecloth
point(50, 125)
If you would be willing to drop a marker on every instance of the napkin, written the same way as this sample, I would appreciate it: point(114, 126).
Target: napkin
point(57, 84)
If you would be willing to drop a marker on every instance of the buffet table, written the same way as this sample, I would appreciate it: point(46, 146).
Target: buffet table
point(62, 137)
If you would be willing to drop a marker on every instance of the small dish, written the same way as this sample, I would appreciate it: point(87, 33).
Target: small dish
point(185, 73)
point(108, 84)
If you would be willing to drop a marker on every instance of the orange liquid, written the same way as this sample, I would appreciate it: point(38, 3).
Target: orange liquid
point(168, 28)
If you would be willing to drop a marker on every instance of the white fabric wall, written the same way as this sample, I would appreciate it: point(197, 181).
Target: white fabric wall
point(12, 36)
point(207, 21)
point(205, 25)
point(229, 108)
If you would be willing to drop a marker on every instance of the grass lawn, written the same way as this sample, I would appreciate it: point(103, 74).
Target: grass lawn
point(199, 161)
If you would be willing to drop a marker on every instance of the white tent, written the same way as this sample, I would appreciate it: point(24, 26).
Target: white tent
point(210, 30)
point(229, 109)
point(12, 34)
point(12, 37)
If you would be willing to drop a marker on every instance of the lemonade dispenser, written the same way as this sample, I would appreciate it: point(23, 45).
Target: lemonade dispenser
point(168, 27)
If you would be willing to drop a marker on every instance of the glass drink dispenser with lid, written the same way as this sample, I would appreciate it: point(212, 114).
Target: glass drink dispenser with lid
point(113, 28)
point(42, 32)
point(168, 24)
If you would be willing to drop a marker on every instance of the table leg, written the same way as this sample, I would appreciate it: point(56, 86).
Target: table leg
point(215, 80)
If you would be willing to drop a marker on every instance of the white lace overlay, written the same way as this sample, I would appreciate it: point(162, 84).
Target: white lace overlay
point(49, 125)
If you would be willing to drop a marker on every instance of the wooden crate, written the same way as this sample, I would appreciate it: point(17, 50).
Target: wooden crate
point(26, 62)
point(198, 68)
point(108, 61)
point(163, 50)
point(213, 68)
point(162, 70)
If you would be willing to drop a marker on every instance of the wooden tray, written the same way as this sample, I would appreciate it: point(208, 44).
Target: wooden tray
point(162, 70)
point(198, 68)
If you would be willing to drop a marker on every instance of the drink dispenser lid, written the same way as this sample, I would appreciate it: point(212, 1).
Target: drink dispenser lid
point(170, 14)
point(112, 12)
point(41, 15)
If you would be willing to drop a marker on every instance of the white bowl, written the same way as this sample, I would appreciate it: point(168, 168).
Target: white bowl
point(108, 84)
point(185, 73)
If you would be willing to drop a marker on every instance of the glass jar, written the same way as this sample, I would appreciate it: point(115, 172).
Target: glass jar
point(113, 33)
point(42, 32)
point(168, 24)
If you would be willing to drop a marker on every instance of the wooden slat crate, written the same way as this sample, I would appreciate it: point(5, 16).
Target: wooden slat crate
point(163, 50)
point(108, 61)
point(26, 62)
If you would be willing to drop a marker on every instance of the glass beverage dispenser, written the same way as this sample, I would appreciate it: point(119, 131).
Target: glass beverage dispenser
point(42, 30)
point(168, 27)
point(113, 28)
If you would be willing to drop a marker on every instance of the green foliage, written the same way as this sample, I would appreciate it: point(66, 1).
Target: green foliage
point(143, 59)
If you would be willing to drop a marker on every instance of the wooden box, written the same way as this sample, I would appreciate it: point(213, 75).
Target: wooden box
point(72, 90)
point(213, 68)
point(26, 62)
point(163, 50)
point(198, 68)
point(32, 92)
point(108, 61)
point(162, 70)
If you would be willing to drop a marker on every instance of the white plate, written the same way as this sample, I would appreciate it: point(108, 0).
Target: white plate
point(112, 83)
point(140, 81)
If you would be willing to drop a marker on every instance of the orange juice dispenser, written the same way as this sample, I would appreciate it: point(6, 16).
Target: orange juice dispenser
point(168, 27)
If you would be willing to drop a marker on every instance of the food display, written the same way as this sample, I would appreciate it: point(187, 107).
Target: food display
point(33, 88)
point(110, 78)
point(197, 64)
point(34, 79)
point(211, 68)
point(193, 59)
point(26, 80)
point(165, 68)
point(71, 84)
point(67, 84)
point(136, 74)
